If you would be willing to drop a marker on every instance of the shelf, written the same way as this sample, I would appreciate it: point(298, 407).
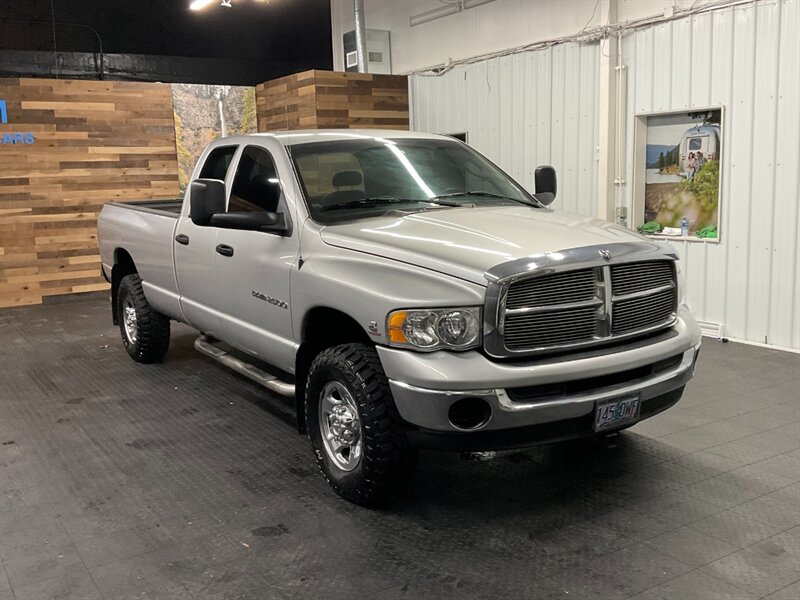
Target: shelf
point(682, 238)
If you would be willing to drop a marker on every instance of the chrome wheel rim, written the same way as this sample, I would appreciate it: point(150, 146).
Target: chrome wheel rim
point(340, 425)
point(129, 320)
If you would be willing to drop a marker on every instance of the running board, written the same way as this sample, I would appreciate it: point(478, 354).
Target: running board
point(203, 345)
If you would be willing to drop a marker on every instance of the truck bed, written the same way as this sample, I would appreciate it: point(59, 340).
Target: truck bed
point(145, 232)
point(170, 207)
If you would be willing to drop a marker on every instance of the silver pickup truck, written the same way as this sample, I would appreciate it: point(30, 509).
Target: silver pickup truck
point(406, 293)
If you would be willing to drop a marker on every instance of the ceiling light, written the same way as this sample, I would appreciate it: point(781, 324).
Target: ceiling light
point(200, 4)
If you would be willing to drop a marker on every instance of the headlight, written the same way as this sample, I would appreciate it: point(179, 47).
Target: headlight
point(435, 329)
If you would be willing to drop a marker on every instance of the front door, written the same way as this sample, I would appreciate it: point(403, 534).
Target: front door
point(195, 254)
point(253, 267)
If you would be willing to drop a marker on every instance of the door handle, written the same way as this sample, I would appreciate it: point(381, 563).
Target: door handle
point(225, 250)
point(182, 238)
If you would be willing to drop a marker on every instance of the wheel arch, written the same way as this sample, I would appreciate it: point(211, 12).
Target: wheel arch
point(123, 265)
point(323, 327)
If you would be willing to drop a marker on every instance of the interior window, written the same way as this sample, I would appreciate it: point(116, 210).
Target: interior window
point(323, 168)
point(217, 163)
point(256, 186)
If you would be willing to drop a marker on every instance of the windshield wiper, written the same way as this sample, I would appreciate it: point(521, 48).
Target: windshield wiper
point(486, 194)
point(386, 200)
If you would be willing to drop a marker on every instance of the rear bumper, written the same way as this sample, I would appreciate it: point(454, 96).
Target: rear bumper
point(425, 386)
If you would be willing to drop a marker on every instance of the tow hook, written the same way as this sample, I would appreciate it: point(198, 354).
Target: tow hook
point(611, 440)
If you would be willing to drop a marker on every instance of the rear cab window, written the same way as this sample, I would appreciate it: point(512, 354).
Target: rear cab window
point(217, 163)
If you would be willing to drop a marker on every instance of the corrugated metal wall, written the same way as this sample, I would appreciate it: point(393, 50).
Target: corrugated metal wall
point(746, 59)
point(522, 111)
point(540, 107)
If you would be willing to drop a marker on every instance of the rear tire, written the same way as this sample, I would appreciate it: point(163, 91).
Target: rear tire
point(354, 427)
point(145, 331)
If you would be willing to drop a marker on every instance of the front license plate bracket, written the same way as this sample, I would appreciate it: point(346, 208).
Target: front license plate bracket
point(622, 411)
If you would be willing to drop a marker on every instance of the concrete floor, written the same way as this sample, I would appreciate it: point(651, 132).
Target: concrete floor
point(182, 480)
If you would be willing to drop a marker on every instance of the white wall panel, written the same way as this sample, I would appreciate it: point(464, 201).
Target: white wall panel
point(746, 59)
point(491, 27)
point(541, 107)
point(522, 111)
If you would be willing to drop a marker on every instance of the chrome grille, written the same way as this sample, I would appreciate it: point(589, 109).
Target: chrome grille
point(639, 313)
point(587, 306)
point(560, 288)
point(550, 328)
point(628, 279)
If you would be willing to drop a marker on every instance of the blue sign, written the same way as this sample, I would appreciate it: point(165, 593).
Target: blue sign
point(13, 137)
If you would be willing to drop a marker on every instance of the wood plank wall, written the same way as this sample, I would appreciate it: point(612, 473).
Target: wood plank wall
point(110, 140)
point(335, 100)
point(94, 141)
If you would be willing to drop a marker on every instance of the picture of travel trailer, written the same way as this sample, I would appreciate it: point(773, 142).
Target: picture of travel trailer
point(701, 138)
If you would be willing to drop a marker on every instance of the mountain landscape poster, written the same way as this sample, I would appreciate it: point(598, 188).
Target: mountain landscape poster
point(682, 178)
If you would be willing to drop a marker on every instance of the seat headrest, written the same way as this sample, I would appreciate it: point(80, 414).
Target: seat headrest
point(343, 178)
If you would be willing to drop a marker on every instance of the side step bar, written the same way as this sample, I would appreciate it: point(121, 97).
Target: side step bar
point(205, 346)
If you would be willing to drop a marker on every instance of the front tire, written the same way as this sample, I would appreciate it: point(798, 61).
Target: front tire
point(353, 425)
point(145, 331)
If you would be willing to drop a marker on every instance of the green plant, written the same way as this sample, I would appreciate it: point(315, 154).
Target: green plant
point(705, 185)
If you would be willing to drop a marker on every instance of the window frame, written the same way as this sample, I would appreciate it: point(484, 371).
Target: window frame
point(636, 197)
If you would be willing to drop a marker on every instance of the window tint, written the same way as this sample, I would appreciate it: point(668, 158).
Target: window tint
point(217, 163)
point(410, 173)
point(256, 186)
point(321, 170)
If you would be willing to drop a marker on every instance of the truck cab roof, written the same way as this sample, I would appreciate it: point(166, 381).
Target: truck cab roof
point(306, 136)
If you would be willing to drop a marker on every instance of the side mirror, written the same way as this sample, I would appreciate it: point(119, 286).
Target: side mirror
point(545, 181)
point(251, 221)
point(206, 197)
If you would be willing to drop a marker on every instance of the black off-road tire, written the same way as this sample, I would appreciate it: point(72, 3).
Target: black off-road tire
point(387, 457)
point(152, 328)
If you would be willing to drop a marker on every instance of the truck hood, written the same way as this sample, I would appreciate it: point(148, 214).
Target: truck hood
point(466, 242)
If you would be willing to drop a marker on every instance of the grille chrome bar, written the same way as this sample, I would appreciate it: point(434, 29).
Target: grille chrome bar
point(644, 293)
point(581, 301)
point(553, 307)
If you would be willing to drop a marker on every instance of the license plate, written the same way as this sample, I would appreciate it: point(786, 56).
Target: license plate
point(613, 414)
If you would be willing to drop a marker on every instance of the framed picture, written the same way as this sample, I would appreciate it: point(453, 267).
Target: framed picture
point(677, 178)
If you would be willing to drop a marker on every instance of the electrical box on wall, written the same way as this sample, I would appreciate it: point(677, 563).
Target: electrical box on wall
point(378, 50)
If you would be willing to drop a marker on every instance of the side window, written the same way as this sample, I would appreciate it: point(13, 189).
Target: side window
point(256, 186)
point(217, 163)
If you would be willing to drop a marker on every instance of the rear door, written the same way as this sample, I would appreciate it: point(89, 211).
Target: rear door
point(254, 270)
point(195, 253)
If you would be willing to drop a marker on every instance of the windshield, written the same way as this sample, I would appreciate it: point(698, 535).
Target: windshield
point(356, 178)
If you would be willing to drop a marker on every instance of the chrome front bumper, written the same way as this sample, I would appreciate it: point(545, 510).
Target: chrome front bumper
point(426, 385)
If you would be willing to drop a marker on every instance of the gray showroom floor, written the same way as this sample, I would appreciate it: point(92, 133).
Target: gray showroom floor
point(182, 480)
